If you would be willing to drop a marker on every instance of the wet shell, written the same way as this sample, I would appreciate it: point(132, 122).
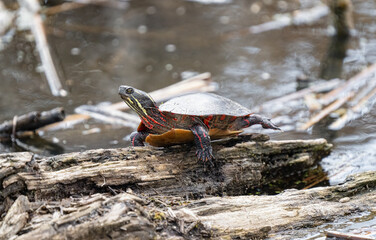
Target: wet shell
point(201, 104)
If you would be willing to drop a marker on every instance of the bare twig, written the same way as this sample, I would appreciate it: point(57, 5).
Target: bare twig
point(300, 94)
point(33, 8)
point(326, 111)
point(353, 83)
point(107, 115)
point(296, 18)
point(32, 121)
point(354, 112)
point(67, 6)
point(346, 236)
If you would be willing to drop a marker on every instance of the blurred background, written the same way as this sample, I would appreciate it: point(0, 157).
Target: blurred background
point(99, 45)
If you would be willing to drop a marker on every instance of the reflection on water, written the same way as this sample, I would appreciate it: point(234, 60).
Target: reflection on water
point(151, 44)
point(331, 65)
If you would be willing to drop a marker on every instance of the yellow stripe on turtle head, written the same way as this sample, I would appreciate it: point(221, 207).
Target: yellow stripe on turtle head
point(139, 105)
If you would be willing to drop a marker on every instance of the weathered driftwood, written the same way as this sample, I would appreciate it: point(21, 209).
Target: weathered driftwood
point(347, 236)
point(31, 121)
point(255, 217)
point(93, 217)
point(240, 165)
point(125, 216)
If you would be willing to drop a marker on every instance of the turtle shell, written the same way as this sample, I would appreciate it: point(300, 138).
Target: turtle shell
point(197, 104)
point(201, 104)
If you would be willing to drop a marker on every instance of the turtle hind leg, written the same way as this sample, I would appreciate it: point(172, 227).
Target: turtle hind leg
point(204, 150)
point(138, 138)
point(257, 119)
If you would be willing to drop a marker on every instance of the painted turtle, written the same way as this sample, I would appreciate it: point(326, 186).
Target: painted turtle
point(197, 117)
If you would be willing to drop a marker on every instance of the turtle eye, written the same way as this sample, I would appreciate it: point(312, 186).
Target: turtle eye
point(129, 91)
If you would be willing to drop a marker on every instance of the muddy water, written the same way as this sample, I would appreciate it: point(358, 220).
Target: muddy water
point(151, 44)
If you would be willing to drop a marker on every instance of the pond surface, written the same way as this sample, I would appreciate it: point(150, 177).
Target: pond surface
point(152, 44)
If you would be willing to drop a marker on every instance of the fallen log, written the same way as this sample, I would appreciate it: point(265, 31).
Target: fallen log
point(241, 163)
point(126, 216)
point(93, 217)
point(256, 217)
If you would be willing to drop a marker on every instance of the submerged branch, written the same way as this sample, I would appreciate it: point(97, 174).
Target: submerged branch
point(31, 121)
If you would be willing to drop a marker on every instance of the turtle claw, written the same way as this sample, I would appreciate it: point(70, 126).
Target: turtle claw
point(205, 155)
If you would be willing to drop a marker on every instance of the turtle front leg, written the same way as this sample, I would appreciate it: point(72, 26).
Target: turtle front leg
point(204, 150)
point(138, 138)
point(257, 119)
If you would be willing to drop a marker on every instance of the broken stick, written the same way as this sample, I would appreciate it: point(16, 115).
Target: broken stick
point(325, 86)
point(33, 8)
point(354, 112)
point(31, 121)
point(326, 111)
point(353, 83)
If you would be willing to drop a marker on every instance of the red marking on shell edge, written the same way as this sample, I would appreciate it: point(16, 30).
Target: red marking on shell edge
point(207, 120)
point(223, 117)
point(233, 118)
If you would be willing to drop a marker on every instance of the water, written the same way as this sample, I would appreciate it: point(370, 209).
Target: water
point(151, 44)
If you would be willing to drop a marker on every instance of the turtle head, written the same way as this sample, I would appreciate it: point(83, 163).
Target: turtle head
point(136, 99)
